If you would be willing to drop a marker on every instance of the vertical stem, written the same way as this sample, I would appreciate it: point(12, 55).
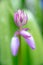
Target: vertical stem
point(19, 53)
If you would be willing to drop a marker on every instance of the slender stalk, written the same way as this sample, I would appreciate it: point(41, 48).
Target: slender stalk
point(19, 53)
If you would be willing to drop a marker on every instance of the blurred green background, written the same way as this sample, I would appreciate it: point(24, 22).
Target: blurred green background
point(34, 10)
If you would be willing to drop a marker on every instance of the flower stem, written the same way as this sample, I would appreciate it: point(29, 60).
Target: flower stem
point(19, 53)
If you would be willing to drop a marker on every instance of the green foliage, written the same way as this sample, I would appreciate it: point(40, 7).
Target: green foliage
point(5, 35)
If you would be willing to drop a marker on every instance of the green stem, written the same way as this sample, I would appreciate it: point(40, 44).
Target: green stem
point(19, 53)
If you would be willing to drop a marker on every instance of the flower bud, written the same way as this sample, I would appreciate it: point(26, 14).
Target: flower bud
point(20, 18)
point(14, 45)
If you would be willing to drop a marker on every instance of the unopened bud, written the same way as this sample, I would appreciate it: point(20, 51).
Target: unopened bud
point(20, 18)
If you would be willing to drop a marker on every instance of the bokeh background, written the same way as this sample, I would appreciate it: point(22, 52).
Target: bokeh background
point(34, 10)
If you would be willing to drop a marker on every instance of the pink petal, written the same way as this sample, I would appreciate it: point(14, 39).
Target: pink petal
point(16, 33)
point(25, 34)
point(26, 29)
point(29, 39)
point(14, 45)
point(31, 42)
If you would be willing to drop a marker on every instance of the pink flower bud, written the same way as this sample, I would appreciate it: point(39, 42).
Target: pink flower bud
point(20, 18)
point(29, 38)
point(14, 45)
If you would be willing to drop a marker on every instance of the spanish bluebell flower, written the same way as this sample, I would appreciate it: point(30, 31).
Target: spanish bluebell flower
point(21, 19)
